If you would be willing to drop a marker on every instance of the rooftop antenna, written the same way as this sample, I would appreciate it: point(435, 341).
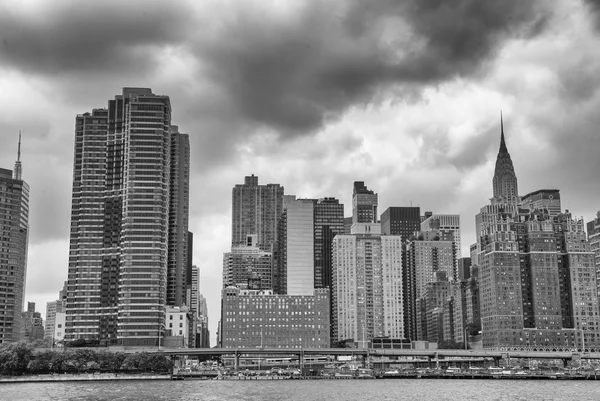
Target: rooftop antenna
point(18, 171)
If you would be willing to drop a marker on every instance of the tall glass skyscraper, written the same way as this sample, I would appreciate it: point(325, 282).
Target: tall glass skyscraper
point(14, 236)
point(129, 193)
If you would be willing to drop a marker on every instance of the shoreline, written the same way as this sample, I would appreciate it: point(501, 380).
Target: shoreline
point(81, 377)
point(87, 377)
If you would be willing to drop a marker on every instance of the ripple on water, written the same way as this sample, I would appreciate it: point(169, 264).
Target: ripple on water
point(288, 390)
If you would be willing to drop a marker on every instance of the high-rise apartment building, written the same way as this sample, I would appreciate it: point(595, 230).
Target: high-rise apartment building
point(405, 222)
point(248, 267)
point(367, 300)
point(367, 287)
point(255, 210)
point(537, 279)
point(179, 195)
point(125, 209)
point(14, 236)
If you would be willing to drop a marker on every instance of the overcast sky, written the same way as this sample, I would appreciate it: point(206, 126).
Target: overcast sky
point(313, 95)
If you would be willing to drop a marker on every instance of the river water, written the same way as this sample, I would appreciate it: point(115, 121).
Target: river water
point(306, 390)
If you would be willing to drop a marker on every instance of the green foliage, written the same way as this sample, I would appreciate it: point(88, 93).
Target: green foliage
point(15, 358)
point(19, 358)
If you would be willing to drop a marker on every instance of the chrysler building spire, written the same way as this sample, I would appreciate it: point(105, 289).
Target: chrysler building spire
point(505, 180)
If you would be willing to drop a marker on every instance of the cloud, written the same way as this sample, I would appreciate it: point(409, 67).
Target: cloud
point(294, 74)
point(96, 37)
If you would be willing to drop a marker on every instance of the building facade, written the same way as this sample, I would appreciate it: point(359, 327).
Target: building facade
point(14, 238)
point(179, 195)
point(122, 216)
point(536, 273)
point(253, 318)
point(247, 266)
point(367, 288)
point(255, 210)
point(364, 204)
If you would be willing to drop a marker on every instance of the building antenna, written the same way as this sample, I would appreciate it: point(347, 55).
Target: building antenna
point(18, 169)
point(19, 148)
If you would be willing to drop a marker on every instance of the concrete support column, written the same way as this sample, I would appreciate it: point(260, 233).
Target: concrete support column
point(236, 355)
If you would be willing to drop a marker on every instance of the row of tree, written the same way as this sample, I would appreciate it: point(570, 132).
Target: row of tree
point(21, 358)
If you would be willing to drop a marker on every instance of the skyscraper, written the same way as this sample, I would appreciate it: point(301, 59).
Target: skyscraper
point(179, 195)
point(126, 202)
point(366, 288)
point(364, 204)
point(505, 180)
point(255, 210)
point(543, 199)
point(537, 279)
point(403, 221)
point(14, 236)
point(247, 266)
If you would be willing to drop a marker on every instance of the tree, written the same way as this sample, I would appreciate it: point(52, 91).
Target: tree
point(111, 361)
point(42, 362)
point(15, 357)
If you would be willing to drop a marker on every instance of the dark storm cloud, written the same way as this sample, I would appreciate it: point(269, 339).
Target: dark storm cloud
point(96, 37)
point(594, 7)
point(294, 75)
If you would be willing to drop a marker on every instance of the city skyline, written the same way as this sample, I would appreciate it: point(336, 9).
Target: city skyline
point(430, 140)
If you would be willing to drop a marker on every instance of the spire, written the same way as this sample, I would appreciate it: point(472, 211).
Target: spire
point(19, 148)
point(505, 180)
point(502, 142)
point(18, 171)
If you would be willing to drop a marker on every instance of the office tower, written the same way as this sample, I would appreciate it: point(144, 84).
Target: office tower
point(255, 210)
point(300, 245)
point(364, 204)
point(123, 213)
point(445, 223)
point(254, 318)
point(14, 236)
point(328, 222)
point(347, 225)
point(505, 180)
point(464, 269)
point(247, 266)
point(537, 279)
point(547, 200)
point(403, 221)
point(179, 194)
